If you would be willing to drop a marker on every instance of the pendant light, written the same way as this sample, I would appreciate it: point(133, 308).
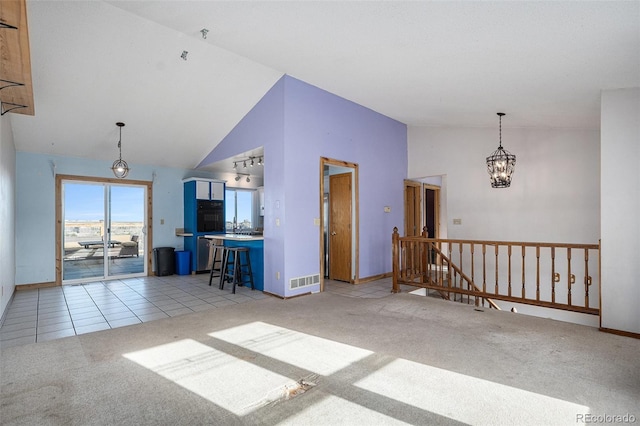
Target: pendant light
point(501, 164)
point(120, 167)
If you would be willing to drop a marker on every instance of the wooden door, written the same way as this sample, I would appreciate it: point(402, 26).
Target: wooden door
point(340, 234)
point(412, 220)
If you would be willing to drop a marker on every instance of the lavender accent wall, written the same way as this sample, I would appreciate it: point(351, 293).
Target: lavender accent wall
point(320, 124)
point(297, 123)
point(264, 126)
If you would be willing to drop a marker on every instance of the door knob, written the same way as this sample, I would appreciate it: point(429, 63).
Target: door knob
point(333, 233)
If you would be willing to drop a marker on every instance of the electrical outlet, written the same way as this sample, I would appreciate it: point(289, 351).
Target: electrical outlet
point(278, 275)
point(161, 221)
point(457, 221)
point(277, 221)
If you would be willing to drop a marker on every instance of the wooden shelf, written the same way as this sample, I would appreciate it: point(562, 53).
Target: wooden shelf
point(15, 64)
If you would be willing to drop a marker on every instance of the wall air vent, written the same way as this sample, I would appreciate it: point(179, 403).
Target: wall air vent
point(299, 282)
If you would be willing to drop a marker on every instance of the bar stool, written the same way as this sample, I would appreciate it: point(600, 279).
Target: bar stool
point(233, 268)
point(214, 259)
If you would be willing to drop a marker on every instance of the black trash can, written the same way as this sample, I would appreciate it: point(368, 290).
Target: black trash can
point(165, 260)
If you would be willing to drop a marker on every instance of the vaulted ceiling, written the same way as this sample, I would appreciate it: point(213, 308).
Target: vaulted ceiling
point(423, 63)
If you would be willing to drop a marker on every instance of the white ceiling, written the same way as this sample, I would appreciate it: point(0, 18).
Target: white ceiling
point(423, 63)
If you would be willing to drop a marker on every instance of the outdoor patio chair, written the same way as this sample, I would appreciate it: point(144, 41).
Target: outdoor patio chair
point(129, 248)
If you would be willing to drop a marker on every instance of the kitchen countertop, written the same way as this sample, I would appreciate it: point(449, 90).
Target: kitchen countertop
point(235, 237)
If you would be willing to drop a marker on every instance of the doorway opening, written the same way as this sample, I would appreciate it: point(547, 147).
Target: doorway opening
point(422, 207)
point(432, 210)
point(338, 221)
point(102, 229)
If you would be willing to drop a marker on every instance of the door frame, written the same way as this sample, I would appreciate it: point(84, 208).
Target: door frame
point(420, 207)
point(59, 228)
point(324, 161)
point(417, 206)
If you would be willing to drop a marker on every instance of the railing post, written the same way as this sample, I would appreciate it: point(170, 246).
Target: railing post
point(523, 272)
point(587, 278)
point(553, 275)
point(497, 248)
point(395, 242)
point(424, 250)
point(569, 280)
point(509, 257)
point(537, 272)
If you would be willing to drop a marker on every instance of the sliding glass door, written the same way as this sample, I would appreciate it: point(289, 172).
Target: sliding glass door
point(104, 231)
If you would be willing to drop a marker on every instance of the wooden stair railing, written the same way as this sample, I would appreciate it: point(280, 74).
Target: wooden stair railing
point(546, 271)
point(442, 258)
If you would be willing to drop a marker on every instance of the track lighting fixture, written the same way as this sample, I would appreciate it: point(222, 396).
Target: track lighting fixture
point(240, 175)
point(251, 161)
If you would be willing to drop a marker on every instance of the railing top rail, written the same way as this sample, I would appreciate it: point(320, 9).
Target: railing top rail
point(503, 243)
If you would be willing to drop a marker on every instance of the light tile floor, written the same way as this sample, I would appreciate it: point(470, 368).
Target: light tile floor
point(51, 313)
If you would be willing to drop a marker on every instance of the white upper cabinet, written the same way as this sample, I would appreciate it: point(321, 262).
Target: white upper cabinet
point(202, 190)
point(206, 189)
point(217, 191)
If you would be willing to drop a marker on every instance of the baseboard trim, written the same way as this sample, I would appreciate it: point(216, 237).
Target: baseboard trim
point(620, 332)
point(286, 297)
point(4, 314)
point(36, 285)
point(372, 278)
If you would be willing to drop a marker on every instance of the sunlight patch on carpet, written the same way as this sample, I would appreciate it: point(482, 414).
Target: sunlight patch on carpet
point(231, 383)
point(467, 399)
point(321, 356)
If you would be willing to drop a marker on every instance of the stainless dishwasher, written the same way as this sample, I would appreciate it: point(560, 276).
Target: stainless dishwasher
point(202, 255)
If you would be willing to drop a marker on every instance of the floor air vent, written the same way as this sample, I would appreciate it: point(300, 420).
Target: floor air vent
point(304, 281)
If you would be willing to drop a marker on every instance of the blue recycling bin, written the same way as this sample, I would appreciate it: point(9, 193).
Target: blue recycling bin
point(183, 262)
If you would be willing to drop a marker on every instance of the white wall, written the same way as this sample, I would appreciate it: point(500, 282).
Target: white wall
point(554, 196)
point(7, 213)
point(620, 157)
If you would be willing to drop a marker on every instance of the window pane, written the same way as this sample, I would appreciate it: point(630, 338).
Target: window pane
point(230, 209)
point(244, 209)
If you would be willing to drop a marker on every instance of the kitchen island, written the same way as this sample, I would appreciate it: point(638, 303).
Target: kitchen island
point(255, 244)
